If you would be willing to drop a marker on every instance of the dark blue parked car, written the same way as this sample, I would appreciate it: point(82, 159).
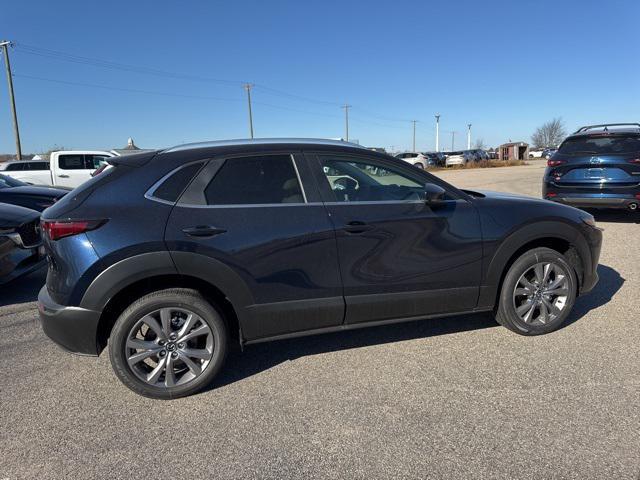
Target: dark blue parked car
point(169, 254)
point(597, 166)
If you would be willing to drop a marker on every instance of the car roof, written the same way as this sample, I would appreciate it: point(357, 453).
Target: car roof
point(23, 161)
point(609, 131)
point(289, 142)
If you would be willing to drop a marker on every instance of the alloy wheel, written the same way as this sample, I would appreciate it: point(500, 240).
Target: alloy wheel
point(541, 293)
point(169, 347)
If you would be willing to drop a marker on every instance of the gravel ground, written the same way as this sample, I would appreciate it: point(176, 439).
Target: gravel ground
point(452, 398)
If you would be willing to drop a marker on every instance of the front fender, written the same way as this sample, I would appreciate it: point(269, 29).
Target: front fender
point(495, 267)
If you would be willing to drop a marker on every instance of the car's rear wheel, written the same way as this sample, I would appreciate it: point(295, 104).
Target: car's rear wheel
point(419, 165)
point(168, 344)
point(538, 293)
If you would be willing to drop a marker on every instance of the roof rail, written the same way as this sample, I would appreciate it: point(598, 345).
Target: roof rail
point(605, 125)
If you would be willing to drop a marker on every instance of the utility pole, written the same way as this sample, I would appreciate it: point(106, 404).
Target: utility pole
point(453, 140)
point(12, 100)
point(346, 121)
point(437, 132)
point(414, 135)
point(468, 136)
point(247, 87)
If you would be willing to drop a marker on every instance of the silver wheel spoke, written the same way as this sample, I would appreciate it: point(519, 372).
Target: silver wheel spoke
point(201, 330)
point(526, 310)
point(557, 292)
point(197, 353)
point(139, 356)
point(538, 270)
point(153, 324)
point(193, 366)
point(551, 307)
point(544, 313)
point(523, 291)
point(169, 375)
point(165, 318)
point(191, 320)
point(140, 344)
point(154, 375)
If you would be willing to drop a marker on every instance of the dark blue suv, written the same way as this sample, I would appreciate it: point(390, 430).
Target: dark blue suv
point(168, 255)
point(597, 166)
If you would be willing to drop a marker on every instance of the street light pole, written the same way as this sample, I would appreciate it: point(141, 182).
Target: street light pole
point(12, 100)
point(468, 136)
point(346, 121)
point(247, 87)
point(453, 139)
point(437, 132)
point(414, 135)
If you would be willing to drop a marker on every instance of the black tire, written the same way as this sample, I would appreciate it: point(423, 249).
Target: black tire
point(419, 165)
point(178, 298)
point(506, 313)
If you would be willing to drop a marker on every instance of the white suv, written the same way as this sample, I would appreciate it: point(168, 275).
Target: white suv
point(414, 158)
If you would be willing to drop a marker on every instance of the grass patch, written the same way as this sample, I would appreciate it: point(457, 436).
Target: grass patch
point(483, 164)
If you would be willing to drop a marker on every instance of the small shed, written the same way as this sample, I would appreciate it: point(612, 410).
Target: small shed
point(513, 151)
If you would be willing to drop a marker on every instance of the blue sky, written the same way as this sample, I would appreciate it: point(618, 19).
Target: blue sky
point(504, 66)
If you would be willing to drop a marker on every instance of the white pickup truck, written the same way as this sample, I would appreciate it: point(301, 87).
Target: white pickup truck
point(64, 169)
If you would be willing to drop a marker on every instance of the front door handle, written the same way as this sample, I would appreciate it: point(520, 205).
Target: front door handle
point(357, 226)
point(203, 231)
point(63, 176)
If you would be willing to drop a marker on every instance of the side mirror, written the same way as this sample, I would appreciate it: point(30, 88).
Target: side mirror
point(433, 194)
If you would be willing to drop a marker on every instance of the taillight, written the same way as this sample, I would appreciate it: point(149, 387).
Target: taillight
point(634, 160)
point(56, 229)
point(555, 163)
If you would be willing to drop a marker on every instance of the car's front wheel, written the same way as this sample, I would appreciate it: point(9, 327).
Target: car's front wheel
point(168, 344)
point(538, 292)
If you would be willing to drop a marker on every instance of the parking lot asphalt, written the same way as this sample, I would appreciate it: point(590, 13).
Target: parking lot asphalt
point(452, 398)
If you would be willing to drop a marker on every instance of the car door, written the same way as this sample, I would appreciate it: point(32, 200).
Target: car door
point(259, 219)
point(399, 257)
point(73, 169)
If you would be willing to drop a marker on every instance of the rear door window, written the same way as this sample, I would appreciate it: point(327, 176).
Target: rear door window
point(15, 167)
point(255, 180)
point(72, 162)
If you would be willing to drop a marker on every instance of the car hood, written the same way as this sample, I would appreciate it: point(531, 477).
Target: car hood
point(13, 216)
point(52, 192)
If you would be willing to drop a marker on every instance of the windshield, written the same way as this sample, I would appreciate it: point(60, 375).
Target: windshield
point(601, 145)
point(8, 182)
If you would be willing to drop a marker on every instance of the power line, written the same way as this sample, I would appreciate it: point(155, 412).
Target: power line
point(96, 62)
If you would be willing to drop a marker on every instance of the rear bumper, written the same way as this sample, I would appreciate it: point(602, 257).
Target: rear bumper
point(73, 328)
point(595, 201)
point(602, 197)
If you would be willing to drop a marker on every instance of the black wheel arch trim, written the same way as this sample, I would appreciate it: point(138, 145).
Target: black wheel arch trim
point(530, 233)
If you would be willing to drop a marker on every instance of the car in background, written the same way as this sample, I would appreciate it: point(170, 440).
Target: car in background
point(19, 193)
point(416, 159)
point(493, 155)
point(479, 154)
point(21, 250)
point(536, 153)
point(438, 158)
point(597, 166)
point(461, 157)
point(547, 153)
point(67, 168)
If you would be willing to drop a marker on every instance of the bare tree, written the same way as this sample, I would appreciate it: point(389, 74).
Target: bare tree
point(479, 145)
point(549, 135)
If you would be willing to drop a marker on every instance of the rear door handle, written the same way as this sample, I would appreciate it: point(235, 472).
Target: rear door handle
point(203, 231)
point(357, 226)
point(63, 176)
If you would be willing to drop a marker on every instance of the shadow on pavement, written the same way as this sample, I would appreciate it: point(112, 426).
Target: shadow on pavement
point(608, 285)
point(261, 357)
point(614, 215)
point(23, 289)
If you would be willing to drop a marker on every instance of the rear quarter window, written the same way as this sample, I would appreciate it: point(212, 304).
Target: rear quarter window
point(173, 186)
